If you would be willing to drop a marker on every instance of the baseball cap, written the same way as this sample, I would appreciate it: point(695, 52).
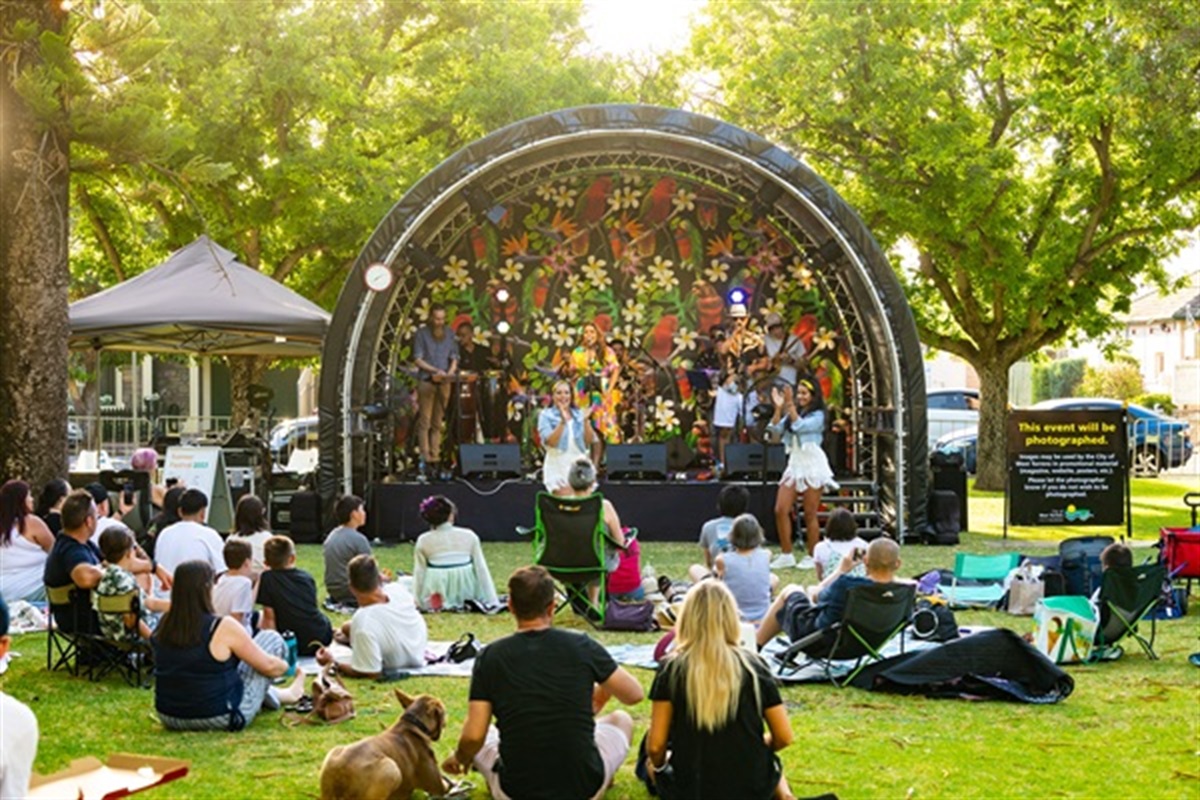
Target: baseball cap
point(737, 310)
point(97, 491)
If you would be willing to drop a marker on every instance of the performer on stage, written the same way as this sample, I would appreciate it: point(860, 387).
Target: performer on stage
point(471, 356)
point(596, 373)
point(435, 353)
point(785, 351)
point(567, 435)
point(737, 353)
point(799, 419)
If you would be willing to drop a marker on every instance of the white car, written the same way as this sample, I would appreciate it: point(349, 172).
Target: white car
point(950, 410)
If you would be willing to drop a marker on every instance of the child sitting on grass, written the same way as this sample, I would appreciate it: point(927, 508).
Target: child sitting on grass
point(289, 598)
point(746, 569)
point(841, 537)
point(233, 596)
point(116, 547)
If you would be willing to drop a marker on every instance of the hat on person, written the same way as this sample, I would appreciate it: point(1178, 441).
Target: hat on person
point(97, 491)
point(737, 310)
point(144, 460)
point(772, 319)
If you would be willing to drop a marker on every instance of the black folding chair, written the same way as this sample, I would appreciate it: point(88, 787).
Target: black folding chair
point(1127, 594)
point(62, 646)
point(874, 614)
point(571, 540)
point(128, 655)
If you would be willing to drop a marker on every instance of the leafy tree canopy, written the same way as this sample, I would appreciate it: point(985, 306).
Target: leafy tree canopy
point(1040, 157)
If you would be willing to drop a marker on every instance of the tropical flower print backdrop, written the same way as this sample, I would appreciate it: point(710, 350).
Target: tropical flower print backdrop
point(651, 259)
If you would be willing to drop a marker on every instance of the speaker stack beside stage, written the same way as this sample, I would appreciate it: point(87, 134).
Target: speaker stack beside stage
point(747, 461)
point(489, 460)
point(642, 461)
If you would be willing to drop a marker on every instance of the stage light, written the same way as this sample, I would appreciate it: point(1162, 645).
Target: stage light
point(737, 296)
point(502, 295)
point(502, 327)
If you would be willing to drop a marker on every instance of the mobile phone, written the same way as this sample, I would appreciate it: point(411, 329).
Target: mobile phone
point(127, 492)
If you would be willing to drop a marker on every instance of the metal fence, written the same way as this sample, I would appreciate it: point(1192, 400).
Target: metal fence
point(119, 434)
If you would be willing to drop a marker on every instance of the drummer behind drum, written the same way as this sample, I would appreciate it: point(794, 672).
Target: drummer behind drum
point(435, 353)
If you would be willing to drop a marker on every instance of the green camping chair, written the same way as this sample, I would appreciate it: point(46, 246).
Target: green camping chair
point(1127, 594)
point(571, 541)
point(987, 574)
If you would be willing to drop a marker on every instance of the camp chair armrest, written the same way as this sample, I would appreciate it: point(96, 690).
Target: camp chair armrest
point(630, 535)
point(523, 531)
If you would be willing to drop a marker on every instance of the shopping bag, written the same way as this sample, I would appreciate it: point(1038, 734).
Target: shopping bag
point(1026, 589)
point(1065, 628)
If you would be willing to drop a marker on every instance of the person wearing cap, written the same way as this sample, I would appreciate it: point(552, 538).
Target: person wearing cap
point(18, 733)
point(736, 352)
point(785, 351)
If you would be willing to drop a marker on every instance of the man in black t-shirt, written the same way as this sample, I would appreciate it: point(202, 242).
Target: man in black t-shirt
point(544, 687)
point(75, 560)
point(289, 598)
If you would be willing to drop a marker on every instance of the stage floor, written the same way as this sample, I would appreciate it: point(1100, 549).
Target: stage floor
point(664, 511)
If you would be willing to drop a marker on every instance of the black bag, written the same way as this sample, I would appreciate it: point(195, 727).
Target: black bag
point(933, 621)
point(462, 650)
point(637, 616)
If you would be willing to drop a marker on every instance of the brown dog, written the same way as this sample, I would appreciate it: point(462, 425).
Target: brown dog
point(390, 765)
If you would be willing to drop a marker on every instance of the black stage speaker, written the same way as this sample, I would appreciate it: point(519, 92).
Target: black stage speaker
point(304, 524)
point(489, 459)
point(745, 461)
point(636, 460)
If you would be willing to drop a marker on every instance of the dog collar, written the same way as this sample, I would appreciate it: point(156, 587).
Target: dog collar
point(416, 723)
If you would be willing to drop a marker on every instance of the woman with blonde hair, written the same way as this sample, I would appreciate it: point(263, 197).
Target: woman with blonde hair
point(567, 434)
point(709, 702)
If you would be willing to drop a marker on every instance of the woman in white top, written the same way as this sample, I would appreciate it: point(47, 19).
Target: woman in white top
point(567, 434)
point(24, 543)
point(448, 563)
point(251, 526)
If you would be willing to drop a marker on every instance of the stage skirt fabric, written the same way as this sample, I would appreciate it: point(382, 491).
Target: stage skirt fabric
point(807, 468)
point(557, 465)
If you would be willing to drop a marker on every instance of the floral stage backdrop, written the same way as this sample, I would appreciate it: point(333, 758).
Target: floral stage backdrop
point(651, 258)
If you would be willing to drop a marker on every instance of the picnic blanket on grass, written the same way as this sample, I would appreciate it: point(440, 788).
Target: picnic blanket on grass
point(433, 651)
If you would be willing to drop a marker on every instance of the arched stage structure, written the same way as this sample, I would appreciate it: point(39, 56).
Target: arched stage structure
point(642, 218)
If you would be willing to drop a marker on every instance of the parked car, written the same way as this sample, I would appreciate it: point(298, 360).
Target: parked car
point(289, 435)
point(950, 411)
point(964, 442)
point(1157, 441)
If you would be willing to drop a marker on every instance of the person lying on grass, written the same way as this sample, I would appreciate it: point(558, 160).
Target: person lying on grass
point(385, 633)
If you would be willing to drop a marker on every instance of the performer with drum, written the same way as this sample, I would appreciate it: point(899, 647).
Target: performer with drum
point(435, 354)
point(567, 434)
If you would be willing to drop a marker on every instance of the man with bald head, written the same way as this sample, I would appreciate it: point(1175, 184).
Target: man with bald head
point(798, 612)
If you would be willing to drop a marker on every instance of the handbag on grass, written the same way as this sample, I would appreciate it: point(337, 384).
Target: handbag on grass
point(1025, 590)
point(636, 616)
point(332, 701)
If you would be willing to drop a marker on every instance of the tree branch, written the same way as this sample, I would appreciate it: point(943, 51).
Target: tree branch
point(289, 262)
point(100, 228)
point(1108, 183)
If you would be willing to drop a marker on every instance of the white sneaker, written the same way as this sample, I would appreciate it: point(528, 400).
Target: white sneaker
point(783, 561)
point(807, 563)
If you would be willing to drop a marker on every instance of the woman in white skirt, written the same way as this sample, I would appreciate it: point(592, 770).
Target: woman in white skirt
point(799, 420)
point(448, 563)
point(567, 435)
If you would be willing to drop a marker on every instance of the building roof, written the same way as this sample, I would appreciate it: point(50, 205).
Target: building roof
point(1155, 307)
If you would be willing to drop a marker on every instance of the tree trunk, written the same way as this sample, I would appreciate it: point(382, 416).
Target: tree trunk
point(244, 371)
point(991, 460)
point(34, 326)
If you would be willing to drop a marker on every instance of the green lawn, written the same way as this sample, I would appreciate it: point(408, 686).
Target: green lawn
point(1131, 728)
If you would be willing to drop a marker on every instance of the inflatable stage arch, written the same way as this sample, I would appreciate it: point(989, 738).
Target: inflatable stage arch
point(642, 219)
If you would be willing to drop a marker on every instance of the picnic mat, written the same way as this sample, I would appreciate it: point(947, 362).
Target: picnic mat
point(642, 655)
point(433, 651)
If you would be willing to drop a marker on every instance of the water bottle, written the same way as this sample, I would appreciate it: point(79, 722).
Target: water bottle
point(289, 640)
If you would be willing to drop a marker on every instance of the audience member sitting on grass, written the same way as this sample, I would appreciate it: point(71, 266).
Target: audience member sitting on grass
point(50, 501)
point(714, 534)
point(105, 514)
point(25, 540)
point(166, 517)
point(625, 583)
point(544, 687)
point(233, 596)
point(251, 526)
point(18, 733)
point(289, 598)
point(841, 537)
point(746, 569)
point(342, 544)
point(75, 560)
point(799, 613)
point(116, 547)
point(386, 632)
point(209, 675)
point(448, 563)
point(708, 704)
point(190, 539)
